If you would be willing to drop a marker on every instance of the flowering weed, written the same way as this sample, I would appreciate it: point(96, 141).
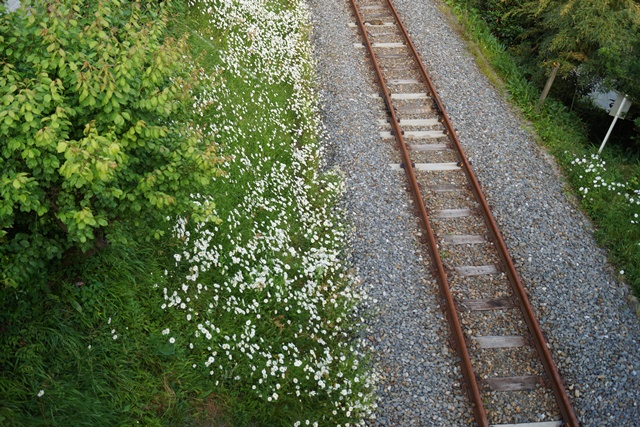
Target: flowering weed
point(611, 195)
point(266, 309)
point(593, 177)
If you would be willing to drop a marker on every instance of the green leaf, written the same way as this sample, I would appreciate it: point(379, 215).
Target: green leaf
point(57, 77)
point(114, 149)
point(76, 305)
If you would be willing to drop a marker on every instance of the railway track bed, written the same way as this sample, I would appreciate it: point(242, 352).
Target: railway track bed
point(500, 345)
point(509, 373)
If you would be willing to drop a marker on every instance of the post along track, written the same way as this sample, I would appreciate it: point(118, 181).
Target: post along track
point(508, 370)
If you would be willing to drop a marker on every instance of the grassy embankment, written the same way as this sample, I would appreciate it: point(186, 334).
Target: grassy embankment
point(244, 321)
point(607, 185)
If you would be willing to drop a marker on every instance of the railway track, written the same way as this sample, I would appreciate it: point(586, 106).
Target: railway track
point(509, 374)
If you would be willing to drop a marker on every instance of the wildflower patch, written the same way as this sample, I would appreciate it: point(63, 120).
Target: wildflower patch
point(261, 300)
point(593, 177)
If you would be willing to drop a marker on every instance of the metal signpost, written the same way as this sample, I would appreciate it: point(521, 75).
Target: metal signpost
point(619, 109)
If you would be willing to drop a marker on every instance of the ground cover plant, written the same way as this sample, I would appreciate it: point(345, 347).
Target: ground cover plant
point(606, 185)
point(241, 311)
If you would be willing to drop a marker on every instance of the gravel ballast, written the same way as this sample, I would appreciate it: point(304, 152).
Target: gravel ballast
point(583, 309)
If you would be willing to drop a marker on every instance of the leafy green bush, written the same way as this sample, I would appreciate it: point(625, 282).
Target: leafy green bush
point(95, 107)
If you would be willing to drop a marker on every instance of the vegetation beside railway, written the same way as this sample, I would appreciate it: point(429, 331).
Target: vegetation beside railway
point(218, 296)
point(607, 185)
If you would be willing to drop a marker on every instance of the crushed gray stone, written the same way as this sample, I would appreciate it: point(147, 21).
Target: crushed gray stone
point(582, 307)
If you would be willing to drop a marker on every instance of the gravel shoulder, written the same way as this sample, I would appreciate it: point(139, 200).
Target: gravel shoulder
point(582, 307)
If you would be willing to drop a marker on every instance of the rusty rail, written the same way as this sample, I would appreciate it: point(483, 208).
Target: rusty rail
point(441, 275)
point(555, 380)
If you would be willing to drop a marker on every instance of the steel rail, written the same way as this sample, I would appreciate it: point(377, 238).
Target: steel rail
point(534, 328)
point(441, 275)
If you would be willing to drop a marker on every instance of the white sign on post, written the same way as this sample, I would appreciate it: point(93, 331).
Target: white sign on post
point(619, 109)
point(621, 106)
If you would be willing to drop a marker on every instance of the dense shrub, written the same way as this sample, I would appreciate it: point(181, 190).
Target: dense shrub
point(94, 128)
point(499, 16)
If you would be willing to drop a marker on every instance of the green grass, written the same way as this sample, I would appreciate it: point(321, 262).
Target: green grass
point(63, 343)
point(565, 136)
point(108, 346)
